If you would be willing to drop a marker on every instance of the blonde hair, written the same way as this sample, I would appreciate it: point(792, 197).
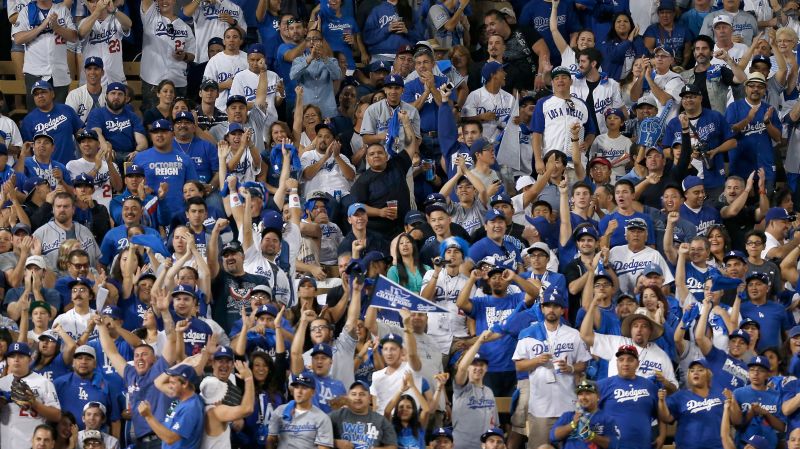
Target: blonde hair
point(787, 32)
point(63, 252)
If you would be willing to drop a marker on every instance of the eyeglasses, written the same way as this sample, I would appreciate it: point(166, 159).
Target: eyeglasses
point(80, 265)
point(292, 21)
point(79, 290)
point(92, 443)
point(754, 243)
point(313, 39)
point(318, 328)
point(602, 285)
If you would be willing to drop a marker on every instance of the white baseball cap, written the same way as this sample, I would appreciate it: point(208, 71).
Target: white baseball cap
point(722, 18)
point(524, 181)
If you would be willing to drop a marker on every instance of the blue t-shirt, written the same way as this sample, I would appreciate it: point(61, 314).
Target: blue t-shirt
point(45, 171)
point(55, 369)
point(334, 29)
point(141, 388)
point(599, 423)
point(754, 146)
point(618, 237)
point(703, 219)
point(186, 421)
point(407, 440)
point(728, 372)
point(269, 29)
point(173, 168)
point(698, 418)
point(506, 255)
point(327, 388)
point(488, 311)
point(674, 40)
point(428, 115)
point(696, 279)
point(133, 309)
point(119, 129)
point(770, 401)
point(536, 14)
point(632, 404)
point(61, 123)
point(790, 390)
point(74, 392)
point(204, 155)
point(711, 127)
point(569, 251)
point(772, 317)
point(282, 68)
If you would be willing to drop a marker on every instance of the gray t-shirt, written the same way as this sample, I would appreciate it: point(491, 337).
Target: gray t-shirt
point(376, 121)
point(772, 270)
point(469, 219)
point(256, 119)
point(8, 261)
point(344, 351)
point(305, 430)
point(363, 431)
point(474, 410)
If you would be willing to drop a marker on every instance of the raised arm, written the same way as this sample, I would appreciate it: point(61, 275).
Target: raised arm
point(466, 359)
point(464, 302)
point(411, 342)
point(228, 413)
point(109, 348)
point(296, 354)
point(700, 338)
point(213, 246)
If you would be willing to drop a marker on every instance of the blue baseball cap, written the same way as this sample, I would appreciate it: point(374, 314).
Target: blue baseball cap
point(480, 358)
point(93, 61)
point(359, 383)
point(215, 41)
point(779, 213)
point(355, 207)
point(489, 69)
point(442, 432)
point(82, 281)
point(18, 348)
point(614, 111)
point(184, 116)
point(490, 432)
point(584, 230)
point(493, 214)
point(83, 180)
point(758, 442)
point(304, 380)
point(761, 58)
point(235, 99)
point(636, 223)
point(757, 275)
point(234, 127)
point(134, 170)
point(223, 352)
point(272, 221)
point(393, 79)
point(86, 133)
point(701, 361)
point(116, 87)
point(322, 348)
point(690, 182)
point(113, 311)
point(500, 198)
point(759, 360)
point(738, 333)
point(32, 182)
point(378, 66)
point(652, 268)
point(752, 322)
point(185, 372)
point(414, 217)
point(392, 338)
point(183, 289)
point(554, 297)
point(267, 309)
point(41, 84)
point(256, 48)
point(735, 254)
point(309, 279)
point(435, 197)
point(375, 256)
point(560, 70)
point(39, 135)
point(161, 125)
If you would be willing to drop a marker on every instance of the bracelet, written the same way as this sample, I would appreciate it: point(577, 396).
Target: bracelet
point(686, 130)
point(575, 140)
point(573, 425)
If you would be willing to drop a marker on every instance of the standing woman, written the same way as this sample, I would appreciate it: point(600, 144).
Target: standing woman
point(315, 71)
point(409, 422)
point(164, 96)
point(474, 406)
point(406, 271)
point(165, 46)
point(621, 47)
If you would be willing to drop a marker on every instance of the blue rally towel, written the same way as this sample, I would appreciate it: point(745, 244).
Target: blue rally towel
point(152, 241)
point(720, 282)
point(276, 158)
point(392, 132)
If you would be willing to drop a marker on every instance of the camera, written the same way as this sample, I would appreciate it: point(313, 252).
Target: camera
point(438, 261)
point(703, 149)
point(449, 86)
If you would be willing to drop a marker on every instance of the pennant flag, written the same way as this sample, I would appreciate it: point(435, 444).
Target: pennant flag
point(389, 295)
point(509, 154)
point(151, 241)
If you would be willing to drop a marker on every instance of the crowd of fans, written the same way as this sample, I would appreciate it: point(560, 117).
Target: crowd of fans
point(595, 196)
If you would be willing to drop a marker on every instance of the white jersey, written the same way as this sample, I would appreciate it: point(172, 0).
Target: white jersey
point(247, 169)
point(17, 424)
point(481, 101)
point(162, 38)
point(606, 95)
point(208, 25)
point(384, 385)
point(73, 323)
point(614, 149)
point(14, 6)
point(256, 263)
point(552, 393)
point(223, 67)
point(102, 181)
point(105, 42)
point(442, 327)
point(651, 358)
point(245, 83)
point(329, 178)
point(82, 102)
point(629, 265)
point(9, 132)
point(736, 53)
point(46, 55)
point(554, 117)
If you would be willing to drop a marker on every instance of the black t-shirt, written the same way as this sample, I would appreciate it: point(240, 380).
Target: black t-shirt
point(572, 271)
point(592, 85)
point(739, 224)
point(520, 59)
point(376, 188)
point(230, 293)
